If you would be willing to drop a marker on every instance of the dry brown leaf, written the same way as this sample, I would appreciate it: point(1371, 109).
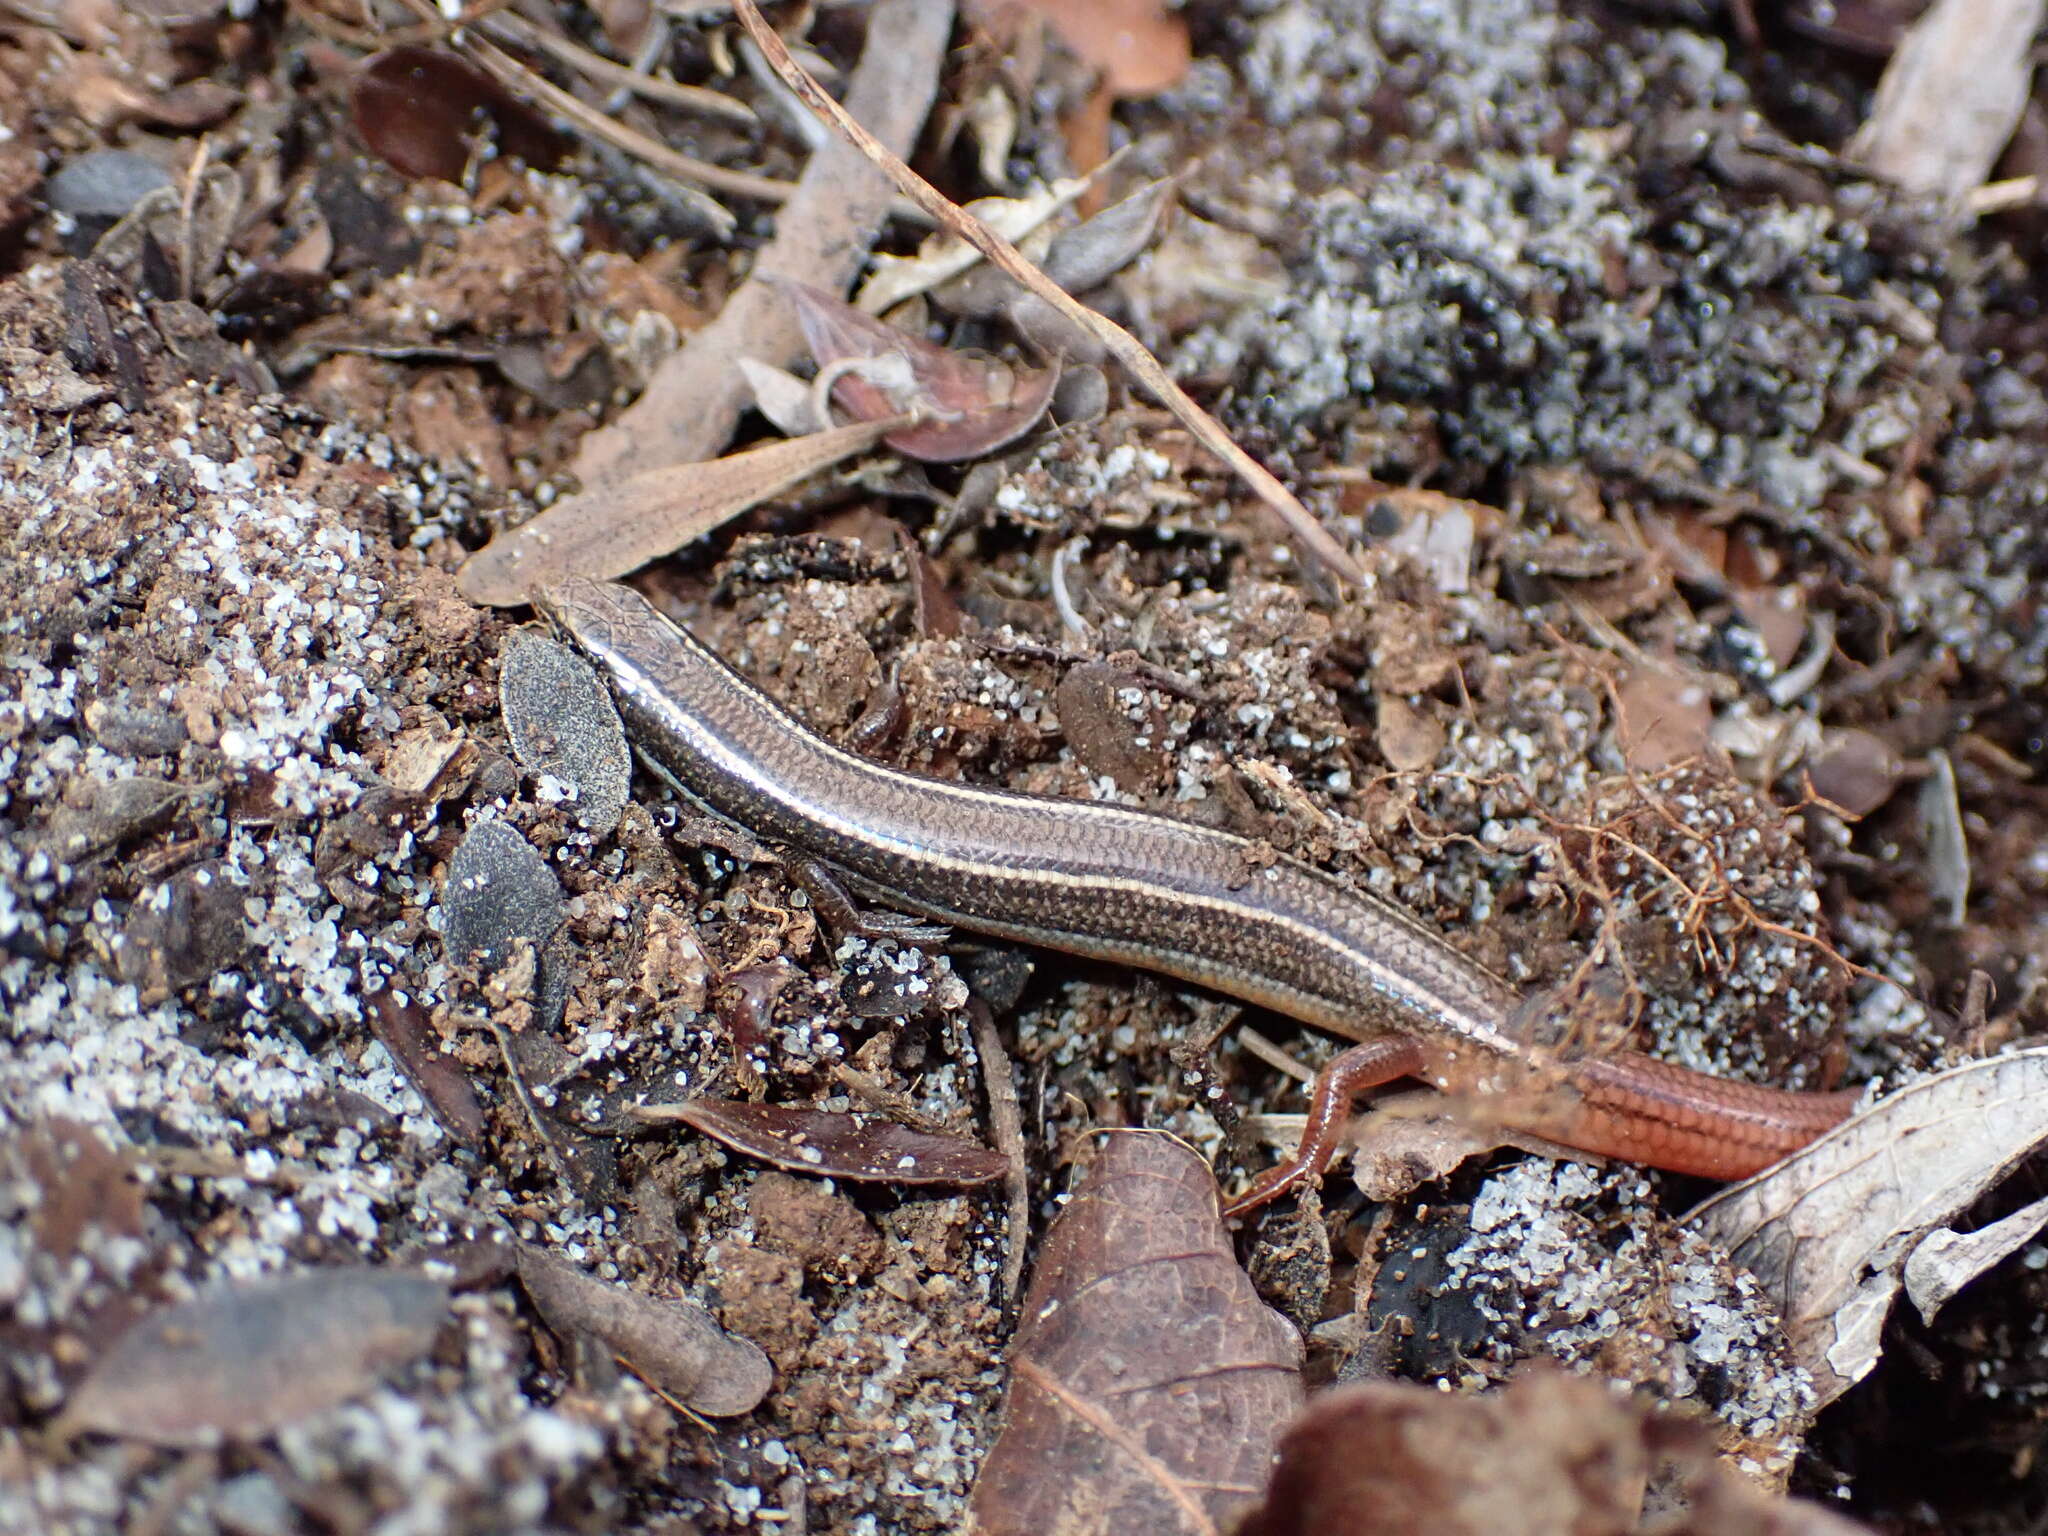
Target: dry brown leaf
point(1833, 1230)
point(242, 1362)
point(837, 1146)
point(1778, 615)
point(1549, 1453)
point(1856, 770)
point(622, 525)
point(1948, 846)
point(1148, 1381)
point(400, 1025)
point(971, 405)
point(417, 109)
point(1407, 738)
point(674, 1346)
point(1140, 47)
point(1665, 717)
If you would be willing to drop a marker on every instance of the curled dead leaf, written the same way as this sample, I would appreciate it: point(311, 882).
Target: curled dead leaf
point(1833, 1230)
point(1549, 1453)
point(971, 406)
point(416, 108)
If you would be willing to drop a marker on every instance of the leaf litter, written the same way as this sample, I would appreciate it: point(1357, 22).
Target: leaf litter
point(256, 915)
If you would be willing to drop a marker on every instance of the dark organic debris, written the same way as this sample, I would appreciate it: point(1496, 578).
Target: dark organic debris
point(1113, 726)
point(182, 931)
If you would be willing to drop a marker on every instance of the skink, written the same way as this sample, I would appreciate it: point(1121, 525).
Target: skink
point(1120, 884)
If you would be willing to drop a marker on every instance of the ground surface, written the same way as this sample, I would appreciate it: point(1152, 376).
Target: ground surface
point(1693, 476)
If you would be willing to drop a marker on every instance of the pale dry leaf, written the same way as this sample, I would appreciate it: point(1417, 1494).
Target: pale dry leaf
point(1409, 1139)
point(1830, 1231)
point(1947, 1261)
point(1082, 258)
point(1948, 850)
point(1438, 536)
point(1103, 244)
point(623, 524)
point(782, 397)
point(943, 255)
point(1951, 96)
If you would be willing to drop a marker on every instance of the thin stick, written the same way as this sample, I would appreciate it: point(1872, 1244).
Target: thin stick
point(1309, 535)
point(687, 168)
point(590, 122)
point(1006, 1126)
point(509, 26)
